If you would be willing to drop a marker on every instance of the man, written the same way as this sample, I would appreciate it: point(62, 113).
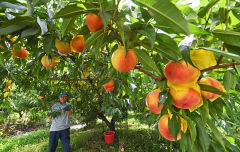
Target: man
point(60, 127)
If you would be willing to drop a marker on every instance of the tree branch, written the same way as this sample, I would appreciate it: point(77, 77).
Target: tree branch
point(115, 34)
point(158, 78)
point(221, 66)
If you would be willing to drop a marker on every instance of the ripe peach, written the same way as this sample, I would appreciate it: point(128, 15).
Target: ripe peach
point(123, 63)
point(109, 86)
point(22, 54)
point(163, 128)
point(152, 102)
point(61, 47)
point(181, 72)
point(46, 64)
point(94, 22)
point(214, 83)
point(185, 98)
point(77, 44)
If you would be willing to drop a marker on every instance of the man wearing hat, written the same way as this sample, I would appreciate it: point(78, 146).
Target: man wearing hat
point(60, 127)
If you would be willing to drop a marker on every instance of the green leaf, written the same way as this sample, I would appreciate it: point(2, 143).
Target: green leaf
point(147, 61)
point(93, 38)
point(173, 126)
point(29, 32)
point(145, 15)
point(13, 6)
point(185, 47)
point(30, 8)
point(72, 10)
point(194, 29)
point(167, 105)
point(192, 128)
point(162, 98)
point(13, 28)
point(204, 111)
point(150, 33)
point(166, 14)
point(105, 17)
point(202, 136)
point(83, 30)
point(43, 25)
point(229, 37)
point(216, 133)
point(168, 47)
point(204, 10)
point(212, 89)
point(67, 24)
point(215, 147)
point(225, 54)
point(228, 80)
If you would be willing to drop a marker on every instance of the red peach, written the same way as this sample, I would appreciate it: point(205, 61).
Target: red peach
point(22, 54)
point(109, 86)
point(214, 83)
point(181, 72)
point(163, 128)
point(122, 62)
point(94, 22)
point(77, 44)
point(185, 98)
point(152, 102)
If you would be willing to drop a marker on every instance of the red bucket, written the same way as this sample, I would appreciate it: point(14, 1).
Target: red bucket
point(109, 137)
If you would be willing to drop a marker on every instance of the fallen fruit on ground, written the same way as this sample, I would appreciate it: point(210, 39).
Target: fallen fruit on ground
point(46, 63)
point(94, 22)
point(214, 83)
point(109, 86)
point(181, 72)
point(77, 44)
point(122, 62)
point(62, 47)
point(22, 54)
point(152, 102)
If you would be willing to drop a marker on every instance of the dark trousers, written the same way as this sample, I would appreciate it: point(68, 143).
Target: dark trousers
point(64, 136)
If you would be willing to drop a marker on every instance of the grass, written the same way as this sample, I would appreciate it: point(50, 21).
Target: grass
point(139, 137)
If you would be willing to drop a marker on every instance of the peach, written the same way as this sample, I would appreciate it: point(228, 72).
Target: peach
point(181, 72)
point(185, 98)
point(109, 86)
point(22, 54)
point(46, 64)
point(61, 47)
point(152, 102)
point(214, 83)
point(163, 128)
point(77, 44)
point(122, 62)
point(94, 22)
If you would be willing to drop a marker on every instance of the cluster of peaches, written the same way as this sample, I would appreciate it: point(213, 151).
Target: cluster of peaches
point(183, 81)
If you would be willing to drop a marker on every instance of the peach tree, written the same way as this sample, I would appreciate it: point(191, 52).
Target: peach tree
point(175, 62)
